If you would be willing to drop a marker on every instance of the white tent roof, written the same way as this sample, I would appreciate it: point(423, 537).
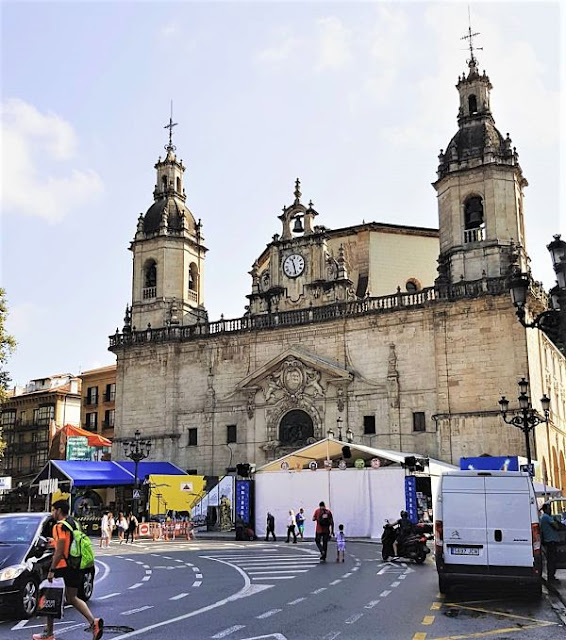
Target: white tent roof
point(330, 448)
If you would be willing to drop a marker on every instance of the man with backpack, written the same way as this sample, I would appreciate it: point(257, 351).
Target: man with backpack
point(324, 529)
point(68, 563)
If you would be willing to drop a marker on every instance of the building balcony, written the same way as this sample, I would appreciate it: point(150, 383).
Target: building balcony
point(192, 295)
point(474, 235)
point(90, 401)
point(149, 292)
point(110, 397)
point(107, 424)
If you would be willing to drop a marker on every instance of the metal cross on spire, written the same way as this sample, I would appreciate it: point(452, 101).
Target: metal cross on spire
point(170, 146)
point(470, 36)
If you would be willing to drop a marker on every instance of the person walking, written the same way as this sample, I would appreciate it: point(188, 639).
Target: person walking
point(340, 543)
point(73, 578)
point(104, 531)
point(300, 518)
point(550, 538)
point(132, 528)
point(111, 526)
point(122, 527)
point(291, 527)
point(324, 529)
point(270, 527)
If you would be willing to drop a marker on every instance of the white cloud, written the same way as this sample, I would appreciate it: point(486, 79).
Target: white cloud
point(36, 147)
point(333, 48)
point(286, 48)
point(169, 30)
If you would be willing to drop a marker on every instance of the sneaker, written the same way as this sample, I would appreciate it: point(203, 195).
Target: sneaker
point(43, 636)
point(97, 628)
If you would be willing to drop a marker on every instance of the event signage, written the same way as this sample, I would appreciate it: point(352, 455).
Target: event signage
point(5, 483)
point(48, 486)
point(375, 463)
point(313, 466)
point(77, 448)
point(187, 486)
point(528, 468)
point(285, 465)
point(411, 498)
point(490, 463)
point(342, 465)
point(360, 463)
point(243, 499)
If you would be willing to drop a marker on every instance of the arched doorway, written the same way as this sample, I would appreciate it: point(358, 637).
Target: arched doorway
point(295, 428)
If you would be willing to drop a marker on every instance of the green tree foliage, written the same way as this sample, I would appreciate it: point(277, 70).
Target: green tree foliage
point(7, 346)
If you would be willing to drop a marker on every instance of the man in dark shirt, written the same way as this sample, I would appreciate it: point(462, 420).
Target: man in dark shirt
point(324, 529)
point(270, 527)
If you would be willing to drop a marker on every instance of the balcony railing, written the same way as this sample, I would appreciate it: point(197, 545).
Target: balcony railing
point(110, 397)
point(192, 295)
point(365, 306)
point(474, 235)
point(149, 292)
point(91, 401)
point(107, 424)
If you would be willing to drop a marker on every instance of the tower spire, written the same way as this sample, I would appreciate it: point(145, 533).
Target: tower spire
point(470, 37)
point(170, 146)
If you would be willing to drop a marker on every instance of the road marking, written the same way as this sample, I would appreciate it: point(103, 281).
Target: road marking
point(395, 584)
point(21, 624)
point(354, 618)
point(257, 573)
point(132, 611)
point(148, 571)
point(347, 575)
point(179, 596)
point(177, 560)
point(109, 595)
point(419, 636)
point(336, 581)
point(384, 594)
point(138, 562)
point(274, 578)
point(228, 631)
point(296, 601)
point(196, 569)
point(135, 586)
point(146, 566)
point(198, 575)
point(100, 578)
point(355, 568)
point(435, 606)
point(146, 578)
point(319, 590)
point(197, 583)
point(371, 605)
point(167, 557)
point(331, 635)
point(268, 614)
point(428, 620)
point(130, 559)
point(402, 576)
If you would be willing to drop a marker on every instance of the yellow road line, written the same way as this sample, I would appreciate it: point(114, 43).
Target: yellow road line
point(500, 613)
point(435, 606)
point(419, 636)
point(483, 634)
point(428, 620)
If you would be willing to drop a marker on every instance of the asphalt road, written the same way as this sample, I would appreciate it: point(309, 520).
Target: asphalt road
point(213, 590)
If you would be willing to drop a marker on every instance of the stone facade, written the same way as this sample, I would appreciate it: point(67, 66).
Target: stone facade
point(351, 327)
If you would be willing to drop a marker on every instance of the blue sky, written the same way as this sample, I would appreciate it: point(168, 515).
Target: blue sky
point(354, 98)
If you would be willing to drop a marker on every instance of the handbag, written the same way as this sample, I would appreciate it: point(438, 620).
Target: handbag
point(51, 598)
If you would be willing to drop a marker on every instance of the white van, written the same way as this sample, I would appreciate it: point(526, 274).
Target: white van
point(487, 528)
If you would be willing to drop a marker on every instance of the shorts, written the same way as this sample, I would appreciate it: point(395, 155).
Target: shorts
point(73, 577)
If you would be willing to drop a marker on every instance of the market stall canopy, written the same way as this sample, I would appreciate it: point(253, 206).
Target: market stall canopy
point(332, 449)
point(87, 473)
point(94, 439)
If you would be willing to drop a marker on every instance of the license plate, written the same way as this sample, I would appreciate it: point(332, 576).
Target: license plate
point(464, 551)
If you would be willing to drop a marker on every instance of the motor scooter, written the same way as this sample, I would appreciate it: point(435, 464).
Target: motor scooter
point(413, 546)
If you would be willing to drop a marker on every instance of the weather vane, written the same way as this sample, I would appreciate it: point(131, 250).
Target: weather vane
point(470, 36)
point(170, 146)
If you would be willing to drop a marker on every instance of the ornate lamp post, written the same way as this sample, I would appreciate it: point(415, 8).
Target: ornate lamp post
point(528, 418)
point(552, 321)
point(136, 450)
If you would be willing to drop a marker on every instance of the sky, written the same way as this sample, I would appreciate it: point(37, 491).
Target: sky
point(356, 99)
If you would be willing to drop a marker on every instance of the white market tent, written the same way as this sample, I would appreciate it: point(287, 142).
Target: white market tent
point(360, 499)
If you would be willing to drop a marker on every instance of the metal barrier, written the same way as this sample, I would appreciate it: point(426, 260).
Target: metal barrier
point(167, 531)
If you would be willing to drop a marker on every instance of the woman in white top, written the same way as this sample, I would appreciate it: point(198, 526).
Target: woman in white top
point(122, 526)
point(291, 526)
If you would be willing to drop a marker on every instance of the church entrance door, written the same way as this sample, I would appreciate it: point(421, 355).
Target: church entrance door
point(296, 429)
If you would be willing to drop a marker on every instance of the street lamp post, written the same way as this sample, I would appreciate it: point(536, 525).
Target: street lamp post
point(528, 418)
point(137, 450)
point(553, 320)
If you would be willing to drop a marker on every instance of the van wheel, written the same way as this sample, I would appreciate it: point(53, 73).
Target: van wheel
point(443, 584)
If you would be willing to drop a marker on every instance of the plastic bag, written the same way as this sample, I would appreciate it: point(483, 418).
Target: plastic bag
point(51, 598)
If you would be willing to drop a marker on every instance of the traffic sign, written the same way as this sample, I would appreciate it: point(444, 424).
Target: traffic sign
point(528, 468)
point(136, 494)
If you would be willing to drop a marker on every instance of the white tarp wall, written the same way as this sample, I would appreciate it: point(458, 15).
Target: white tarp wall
point(360, 499)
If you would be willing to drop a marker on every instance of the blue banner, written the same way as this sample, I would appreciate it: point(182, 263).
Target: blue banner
point(243, 502)
point(411, 498)
point(490, 463)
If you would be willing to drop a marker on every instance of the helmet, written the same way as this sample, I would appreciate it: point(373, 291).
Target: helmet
point(404, 514)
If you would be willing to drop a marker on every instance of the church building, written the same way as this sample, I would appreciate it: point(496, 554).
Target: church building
point(403, 337)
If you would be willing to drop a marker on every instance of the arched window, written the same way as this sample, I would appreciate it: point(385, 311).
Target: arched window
point(150, 279)
point(295, 428)
point(472, 104)
point(473, 213)
point(178, 185)
point(193, 277)
point(164, 183)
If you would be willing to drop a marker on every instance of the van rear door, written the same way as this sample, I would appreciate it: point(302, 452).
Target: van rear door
point(464, 520)
point(508, 511)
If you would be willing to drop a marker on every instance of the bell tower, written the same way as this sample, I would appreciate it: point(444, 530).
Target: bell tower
point(480, 190)
point(168, 253)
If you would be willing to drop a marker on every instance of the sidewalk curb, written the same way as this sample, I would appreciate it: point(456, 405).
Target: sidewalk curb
point(556, 601)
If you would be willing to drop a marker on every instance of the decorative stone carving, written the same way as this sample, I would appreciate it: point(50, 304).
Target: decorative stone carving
point(293, 380)
point(251, 403)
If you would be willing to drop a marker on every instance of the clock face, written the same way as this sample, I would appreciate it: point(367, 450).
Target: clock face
point(293, 265)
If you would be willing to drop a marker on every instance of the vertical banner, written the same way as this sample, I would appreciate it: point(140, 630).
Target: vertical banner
point(243, 500)
point(411, 498)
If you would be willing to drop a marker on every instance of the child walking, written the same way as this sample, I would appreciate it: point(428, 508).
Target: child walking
point(340, 543)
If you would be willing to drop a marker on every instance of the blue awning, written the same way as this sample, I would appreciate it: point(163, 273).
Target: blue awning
point(88, 473)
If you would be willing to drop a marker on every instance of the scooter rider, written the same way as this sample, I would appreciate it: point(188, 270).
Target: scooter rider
point(405, 529)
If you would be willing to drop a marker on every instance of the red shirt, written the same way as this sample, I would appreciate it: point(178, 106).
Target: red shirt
point(319, 528)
